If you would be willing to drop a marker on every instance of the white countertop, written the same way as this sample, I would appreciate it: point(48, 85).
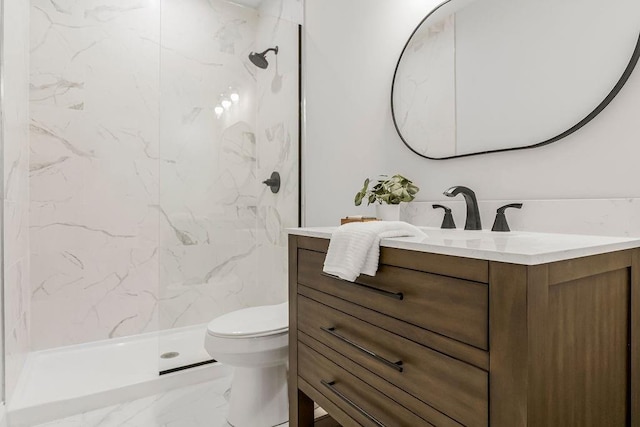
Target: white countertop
point(516, 247)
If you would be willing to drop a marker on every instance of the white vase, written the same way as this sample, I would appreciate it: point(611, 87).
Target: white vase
point(388, 212)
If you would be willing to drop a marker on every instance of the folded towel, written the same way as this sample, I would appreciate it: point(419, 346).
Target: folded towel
point(354, 248)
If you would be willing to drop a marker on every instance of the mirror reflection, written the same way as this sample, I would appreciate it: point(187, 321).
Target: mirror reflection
point(491, 75)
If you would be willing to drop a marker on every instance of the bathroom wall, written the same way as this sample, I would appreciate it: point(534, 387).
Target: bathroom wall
point(207, 170)
point(94, 169)
point(147, 210)
point(277, 145)
point(15, 154)
point(221, 229)
point(349, 125)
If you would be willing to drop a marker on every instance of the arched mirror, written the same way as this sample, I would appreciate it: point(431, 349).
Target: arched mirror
point(494, 75)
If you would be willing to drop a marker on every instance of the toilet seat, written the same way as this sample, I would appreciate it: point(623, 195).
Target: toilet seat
point(251, 322)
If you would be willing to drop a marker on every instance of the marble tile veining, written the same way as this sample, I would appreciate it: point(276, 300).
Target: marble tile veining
point(194, 406)
point(93, 170)
point(146, 208)
point(15, 190)
point(202, 405)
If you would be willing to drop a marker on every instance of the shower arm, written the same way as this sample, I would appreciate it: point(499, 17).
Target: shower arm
point(274, 49)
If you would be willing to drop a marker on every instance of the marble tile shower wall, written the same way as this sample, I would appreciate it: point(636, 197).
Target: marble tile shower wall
point(222, 241)
point(15, 137)
point(94, 169)
point(208, 177)
point(145, 204)
point(277, 138)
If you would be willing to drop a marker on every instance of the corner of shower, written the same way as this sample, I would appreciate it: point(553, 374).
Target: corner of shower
point(151, 216)
point(221, 229)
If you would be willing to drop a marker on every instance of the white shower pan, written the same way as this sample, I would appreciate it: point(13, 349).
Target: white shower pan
point(69, 380)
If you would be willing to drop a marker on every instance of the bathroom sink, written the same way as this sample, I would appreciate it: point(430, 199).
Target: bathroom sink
point(519, 247)
point(459, 234)
point(468, 239)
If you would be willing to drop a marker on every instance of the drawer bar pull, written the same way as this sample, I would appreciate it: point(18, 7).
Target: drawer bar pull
point(395, 295)
point(395, 365)
point(330, 386)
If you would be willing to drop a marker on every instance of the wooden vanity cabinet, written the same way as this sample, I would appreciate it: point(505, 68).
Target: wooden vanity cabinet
point(437, 340)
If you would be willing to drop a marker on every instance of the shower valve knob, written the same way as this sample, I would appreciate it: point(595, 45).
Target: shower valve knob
point(273, 182)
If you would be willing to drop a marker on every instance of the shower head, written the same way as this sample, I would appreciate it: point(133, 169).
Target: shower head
point(259, 59)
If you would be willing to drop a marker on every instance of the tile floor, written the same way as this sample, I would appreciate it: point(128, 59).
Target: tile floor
point(201, 405)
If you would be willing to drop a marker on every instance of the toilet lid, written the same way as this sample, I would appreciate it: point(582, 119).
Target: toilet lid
point(251, 322)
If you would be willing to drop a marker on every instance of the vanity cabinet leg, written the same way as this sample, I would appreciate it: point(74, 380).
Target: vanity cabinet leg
point(301, 411)
point(634, 355)
point(300, 405)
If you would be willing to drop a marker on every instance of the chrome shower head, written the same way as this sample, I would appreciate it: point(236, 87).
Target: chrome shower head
point(259, 59)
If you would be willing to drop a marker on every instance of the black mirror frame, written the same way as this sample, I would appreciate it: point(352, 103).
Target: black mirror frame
point(616, 89)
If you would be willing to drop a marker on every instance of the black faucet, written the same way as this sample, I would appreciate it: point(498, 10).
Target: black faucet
point(500, 224)
point(448, 221)
point(473, 213)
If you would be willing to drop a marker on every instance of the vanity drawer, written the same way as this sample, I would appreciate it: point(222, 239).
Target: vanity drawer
point(452, 307)
point(452, 387)
point(366, 405)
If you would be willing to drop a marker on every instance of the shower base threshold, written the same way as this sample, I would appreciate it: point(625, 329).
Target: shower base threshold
point(68, 380)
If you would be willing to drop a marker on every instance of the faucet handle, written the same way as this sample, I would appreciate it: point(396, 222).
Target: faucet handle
point(447, 222)
point(500, 224)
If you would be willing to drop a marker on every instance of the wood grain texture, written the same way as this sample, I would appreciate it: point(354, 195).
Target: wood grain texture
point(452, 387)
point(313, 368)
point(336, 412)
point(508, 375)
point(538, 342)
point(407, 400)
point(300, 406)
point(562, 341)
point(588, 335)
point(634, 335)
point(462, 268)
point(573, 269)
point(451, 307)
point(313, 244)
point(456, 349)
point(325, 421)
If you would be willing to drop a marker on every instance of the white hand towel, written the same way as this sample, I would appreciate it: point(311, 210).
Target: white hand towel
point(354, 248)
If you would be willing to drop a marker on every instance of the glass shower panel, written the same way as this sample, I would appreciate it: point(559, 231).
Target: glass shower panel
point(225, 125)
point(2, 307)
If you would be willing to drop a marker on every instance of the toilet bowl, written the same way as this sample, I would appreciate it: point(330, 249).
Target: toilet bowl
point(254, 341)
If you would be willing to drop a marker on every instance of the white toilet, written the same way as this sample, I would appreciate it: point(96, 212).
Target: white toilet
point(254, 341)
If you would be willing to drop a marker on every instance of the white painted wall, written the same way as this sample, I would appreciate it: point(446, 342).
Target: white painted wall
point(351, 49)
point(528, 70)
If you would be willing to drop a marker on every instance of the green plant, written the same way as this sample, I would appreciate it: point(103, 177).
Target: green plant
point(391, 191)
